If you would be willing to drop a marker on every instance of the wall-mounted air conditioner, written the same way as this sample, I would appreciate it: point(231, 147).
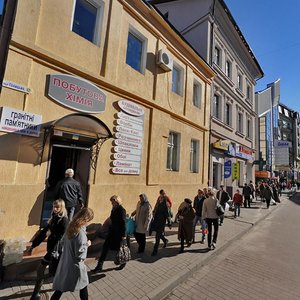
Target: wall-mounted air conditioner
point(164, 60)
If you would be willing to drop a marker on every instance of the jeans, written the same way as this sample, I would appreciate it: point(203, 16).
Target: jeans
point(211, 222)
point(247, 201)
point(237, 209)
point(222, 216)
point(71, 211)
point(202, 222)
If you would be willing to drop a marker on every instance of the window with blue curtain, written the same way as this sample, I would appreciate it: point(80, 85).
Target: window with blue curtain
point(134, 52)
point(85, 17)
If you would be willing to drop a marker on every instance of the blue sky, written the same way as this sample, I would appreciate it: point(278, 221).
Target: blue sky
point(271, 28)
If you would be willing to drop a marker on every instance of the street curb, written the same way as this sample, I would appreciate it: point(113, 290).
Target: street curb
point(167, 286)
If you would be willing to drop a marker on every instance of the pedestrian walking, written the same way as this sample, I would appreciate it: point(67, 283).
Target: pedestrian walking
point(71, 274)
point(197, 205)
point(223, 198)
point(268, 195)
point(252, 187)
point(185, 216)
point(116, 234)
point(275, 193)
point(247, 192)
point(143, 216)
point(69, 190)
point(237, 202)
point(211, 218)
point(57, 225)
point(161, 214)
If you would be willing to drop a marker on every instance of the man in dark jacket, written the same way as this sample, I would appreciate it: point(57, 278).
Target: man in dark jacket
point(223, 198)
point(69, 190)
point(198, 203)
point(247, 192)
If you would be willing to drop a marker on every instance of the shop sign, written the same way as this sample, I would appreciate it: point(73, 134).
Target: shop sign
point(227, 168)
point(129, 157)
point(76, 93)
point(282, 144)
point(128, 138)
point(131, 108)
point(130, 151)
point(16, 86)
point(129, 171)
point(235, 171)
point(262, 174)
point(129, 131)
point(231, 150)
point(222, 144)
point(133, 120)
point(20, 122)
point(244, 153)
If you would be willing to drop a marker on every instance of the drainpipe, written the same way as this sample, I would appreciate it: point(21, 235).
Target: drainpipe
point(6, 29)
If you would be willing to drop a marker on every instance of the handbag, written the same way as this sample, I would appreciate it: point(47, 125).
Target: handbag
point(220, 210)
point(123, 255)
point(55, 257)
point(130, 226)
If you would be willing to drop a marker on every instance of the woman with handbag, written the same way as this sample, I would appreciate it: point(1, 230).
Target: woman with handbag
point(116, 234)
point(211, 217)
point(71, 274)
point(57, 225)
point(143, 215)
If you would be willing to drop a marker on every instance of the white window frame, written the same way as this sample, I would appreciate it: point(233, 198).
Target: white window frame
point(228, 68)
point(218, 111)
point(179, 85)
point(217, 56)
point(240, 81)
point(197, 94)
point(173, 151)
point(229, 121)
point(99, 4)
point(240, 121)
point(144, 41)
point(194, 156)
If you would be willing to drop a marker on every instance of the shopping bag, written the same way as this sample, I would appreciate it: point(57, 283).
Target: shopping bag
point(123, 255)
point(130, 226)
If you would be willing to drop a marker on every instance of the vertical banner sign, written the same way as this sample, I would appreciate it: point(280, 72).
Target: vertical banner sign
point(235, 171)
point(129, 133)
point(227, 168)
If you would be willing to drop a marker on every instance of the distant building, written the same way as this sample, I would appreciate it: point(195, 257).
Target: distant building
point(211, 29)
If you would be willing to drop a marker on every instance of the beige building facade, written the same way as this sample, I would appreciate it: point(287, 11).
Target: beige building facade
point(124, 101)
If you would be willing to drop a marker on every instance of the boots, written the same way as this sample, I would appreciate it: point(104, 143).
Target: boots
point(36, 292)
point(99, 267)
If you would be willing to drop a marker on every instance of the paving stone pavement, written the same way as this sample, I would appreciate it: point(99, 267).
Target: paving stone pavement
point(146, 277)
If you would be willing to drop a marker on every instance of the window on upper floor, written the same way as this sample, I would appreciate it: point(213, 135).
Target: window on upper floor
point(177, 79)
point(249, 128)
point(136, 50)
point(228, 69)
point(87, 19)
point(240, 82)
point(216, 106)
point(217, 56)
point(249, 92)
point(194, 156)
point(197, 91)
point(240, 122)
point(173, 151)
point(228, 112)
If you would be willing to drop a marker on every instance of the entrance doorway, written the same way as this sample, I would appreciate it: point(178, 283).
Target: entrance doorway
point(64, 157)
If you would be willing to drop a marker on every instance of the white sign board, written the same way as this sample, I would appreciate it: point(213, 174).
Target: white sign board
point(16, 86)
point(20, 122)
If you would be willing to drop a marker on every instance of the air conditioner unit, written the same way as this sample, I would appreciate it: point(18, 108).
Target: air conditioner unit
point(164, 60)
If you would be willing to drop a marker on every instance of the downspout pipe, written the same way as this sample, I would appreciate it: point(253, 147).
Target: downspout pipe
point(6, 28)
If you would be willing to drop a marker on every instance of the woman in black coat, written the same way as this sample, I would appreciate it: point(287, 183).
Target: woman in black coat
point(116, 234)
point(57, 226)
point(161, 214)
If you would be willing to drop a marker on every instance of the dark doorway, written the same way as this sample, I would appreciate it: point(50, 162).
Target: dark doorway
point(64, 157)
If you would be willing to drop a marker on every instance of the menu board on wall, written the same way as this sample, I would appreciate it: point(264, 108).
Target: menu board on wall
point(128, 143)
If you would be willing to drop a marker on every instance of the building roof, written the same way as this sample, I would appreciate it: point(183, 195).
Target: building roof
point(231, 18)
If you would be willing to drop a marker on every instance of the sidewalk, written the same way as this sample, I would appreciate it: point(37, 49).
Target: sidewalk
point(146, 277)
